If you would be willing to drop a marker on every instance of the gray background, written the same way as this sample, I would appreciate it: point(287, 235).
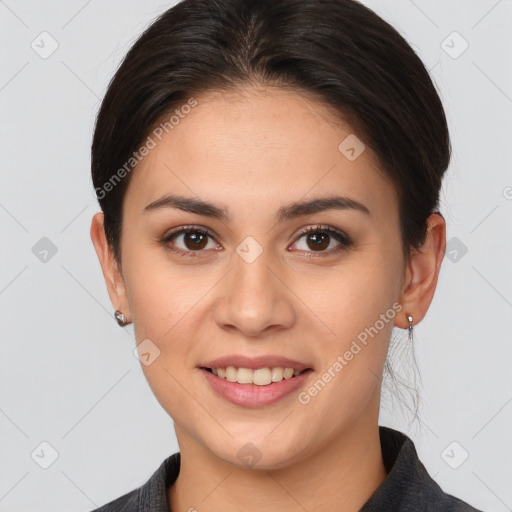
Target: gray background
point(68, 376)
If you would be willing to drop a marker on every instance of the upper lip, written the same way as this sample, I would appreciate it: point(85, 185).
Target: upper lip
point(240, 361)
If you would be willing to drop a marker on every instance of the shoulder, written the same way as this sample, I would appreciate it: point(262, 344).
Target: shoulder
point(152, 495)
point(408, 486)
point(129, 502)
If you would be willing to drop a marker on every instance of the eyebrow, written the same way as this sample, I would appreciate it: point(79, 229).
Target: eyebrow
point(287, 212)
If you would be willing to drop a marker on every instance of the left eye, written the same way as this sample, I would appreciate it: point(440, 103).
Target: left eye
point(318, 239)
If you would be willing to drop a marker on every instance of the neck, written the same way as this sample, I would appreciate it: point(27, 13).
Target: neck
point(340, 477)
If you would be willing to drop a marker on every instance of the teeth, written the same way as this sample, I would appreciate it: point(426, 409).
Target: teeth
point(260, 377)
point(277, 374)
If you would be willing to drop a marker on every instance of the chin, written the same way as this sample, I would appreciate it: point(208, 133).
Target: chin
point(264, 454)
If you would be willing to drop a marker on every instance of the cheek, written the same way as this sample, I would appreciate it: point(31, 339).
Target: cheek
point(355, 306)
point(170, 307)
point(352, 359)
point(165, 307)
point(160, 293)
point(349, 298)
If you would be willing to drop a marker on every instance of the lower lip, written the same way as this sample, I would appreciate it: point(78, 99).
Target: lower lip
point(252, 395)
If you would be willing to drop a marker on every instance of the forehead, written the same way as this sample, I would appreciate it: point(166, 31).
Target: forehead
point(250, 147)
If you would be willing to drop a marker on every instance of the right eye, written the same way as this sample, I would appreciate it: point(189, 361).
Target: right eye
point(193, 240)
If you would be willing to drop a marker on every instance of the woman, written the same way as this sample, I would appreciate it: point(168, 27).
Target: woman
point(269, 174)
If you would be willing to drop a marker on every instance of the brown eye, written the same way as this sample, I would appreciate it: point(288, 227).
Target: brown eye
point(318, 239)
point(188, 240)
point(195, 241)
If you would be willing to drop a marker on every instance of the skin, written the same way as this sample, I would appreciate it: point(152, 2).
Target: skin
point(251, 152)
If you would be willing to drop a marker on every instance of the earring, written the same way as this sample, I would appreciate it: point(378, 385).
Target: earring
point(121, 319)
point(409, 317)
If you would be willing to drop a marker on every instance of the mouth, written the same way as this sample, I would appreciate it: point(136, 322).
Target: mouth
point(264, 376)
point(255, 387)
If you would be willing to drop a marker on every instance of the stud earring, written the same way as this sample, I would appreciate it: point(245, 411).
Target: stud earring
point(121, 319)
point(409, 317)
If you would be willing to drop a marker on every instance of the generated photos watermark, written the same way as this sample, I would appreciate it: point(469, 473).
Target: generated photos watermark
point(304, 397)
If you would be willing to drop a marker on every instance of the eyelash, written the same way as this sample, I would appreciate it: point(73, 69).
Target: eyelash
point(341, 237)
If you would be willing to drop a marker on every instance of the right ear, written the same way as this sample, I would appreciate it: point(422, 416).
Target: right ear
point(109, 266)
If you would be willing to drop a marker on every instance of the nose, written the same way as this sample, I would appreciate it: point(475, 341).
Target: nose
point(254, 298)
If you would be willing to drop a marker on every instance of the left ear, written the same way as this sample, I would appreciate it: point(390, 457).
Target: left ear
point(422, 272)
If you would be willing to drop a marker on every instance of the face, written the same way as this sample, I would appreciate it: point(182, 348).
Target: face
point(255, 283)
